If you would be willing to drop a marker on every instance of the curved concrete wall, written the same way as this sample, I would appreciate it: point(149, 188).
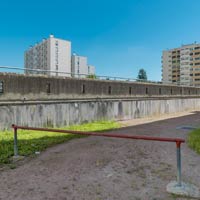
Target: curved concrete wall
point(66, 113)
point(20, 87)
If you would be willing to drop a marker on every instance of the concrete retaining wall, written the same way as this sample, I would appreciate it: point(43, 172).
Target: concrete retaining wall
point(66, 113)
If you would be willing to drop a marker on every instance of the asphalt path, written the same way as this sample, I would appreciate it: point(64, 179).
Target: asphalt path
point(100, 168)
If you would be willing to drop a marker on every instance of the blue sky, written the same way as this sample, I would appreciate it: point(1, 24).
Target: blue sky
point(119, 37)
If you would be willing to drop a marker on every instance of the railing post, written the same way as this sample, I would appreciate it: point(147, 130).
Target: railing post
point(178, 154)
point(15, 141)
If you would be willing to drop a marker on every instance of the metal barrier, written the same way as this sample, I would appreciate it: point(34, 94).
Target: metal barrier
point(178, 141)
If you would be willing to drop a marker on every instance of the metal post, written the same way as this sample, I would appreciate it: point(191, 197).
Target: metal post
point(178, 154)
point(15, 142)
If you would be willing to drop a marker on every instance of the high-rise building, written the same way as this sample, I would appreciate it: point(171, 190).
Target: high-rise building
point(51, 54)
point(182, 65)
point(91, 70)
point(80, 67)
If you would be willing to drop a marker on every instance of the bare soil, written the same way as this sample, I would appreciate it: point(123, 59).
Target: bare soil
point(99, 168)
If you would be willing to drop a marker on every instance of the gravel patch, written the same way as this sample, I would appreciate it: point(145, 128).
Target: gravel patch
point(99, 168)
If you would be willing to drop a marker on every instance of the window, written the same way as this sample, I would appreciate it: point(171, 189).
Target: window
point(147, 91)
point(130, 90)
point(160, 91)
point(1, 87)
point(109, 90)
point(48, 87)
point(83, 89)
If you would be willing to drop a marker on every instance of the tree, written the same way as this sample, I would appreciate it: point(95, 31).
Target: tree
point(92, 76)
point(142, 75)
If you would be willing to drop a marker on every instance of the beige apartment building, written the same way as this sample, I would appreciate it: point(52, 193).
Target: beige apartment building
point(181, 65)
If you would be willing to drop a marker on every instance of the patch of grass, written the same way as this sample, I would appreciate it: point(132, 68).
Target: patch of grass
point(30, 142)
point(194, 140)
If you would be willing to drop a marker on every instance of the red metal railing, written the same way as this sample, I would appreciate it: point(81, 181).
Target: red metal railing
point(178, 141)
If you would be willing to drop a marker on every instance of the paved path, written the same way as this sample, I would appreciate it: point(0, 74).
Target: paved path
point(97, 168)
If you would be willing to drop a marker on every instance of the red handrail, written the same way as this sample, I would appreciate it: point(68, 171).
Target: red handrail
point(137, 137)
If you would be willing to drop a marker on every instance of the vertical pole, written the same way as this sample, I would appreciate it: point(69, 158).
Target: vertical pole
point(15, 142)
point(178, 154)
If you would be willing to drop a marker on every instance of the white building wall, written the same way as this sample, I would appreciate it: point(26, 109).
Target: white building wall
point(79, 66)
point(60, 56)
point(91, 70)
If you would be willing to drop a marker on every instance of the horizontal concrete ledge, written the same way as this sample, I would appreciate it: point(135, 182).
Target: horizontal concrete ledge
point(57, 101)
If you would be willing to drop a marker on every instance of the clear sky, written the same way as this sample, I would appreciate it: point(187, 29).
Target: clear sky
point(118, 37)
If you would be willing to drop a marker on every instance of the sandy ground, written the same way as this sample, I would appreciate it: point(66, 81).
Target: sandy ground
point(99, 168)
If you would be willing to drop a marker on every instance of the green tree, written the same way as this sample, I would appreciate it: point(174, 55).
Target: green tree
point(142, 75)
point(92, 76)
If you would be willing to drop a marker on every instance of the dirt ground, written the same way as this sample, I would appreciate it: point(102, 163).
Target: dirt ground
point(99, 168)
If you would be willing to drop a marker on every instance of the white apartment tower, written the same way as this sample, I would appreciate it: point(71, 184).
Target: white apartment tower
point(80, 67)
point(182, 65)
point(51, 54)
point(91, 70)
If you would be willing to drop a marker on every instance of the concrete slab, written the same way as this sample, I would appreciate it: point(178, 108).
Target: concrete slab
point(186, 189)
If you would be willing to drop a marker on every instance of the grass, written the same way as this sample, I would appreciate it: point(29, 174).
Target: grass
point(194, 140)
point(30, 142)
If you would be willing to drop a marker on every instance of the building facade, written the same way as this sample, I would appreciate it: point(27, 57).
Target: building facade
point(181, 66)
point(91, 70)
point(51, 54)
point(80, 67)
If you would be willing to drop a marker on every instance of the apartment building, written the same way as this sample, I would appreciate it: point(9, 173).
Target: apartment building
point(80, 67)
point(181, 65)
point(91, 69)
point(51, 54)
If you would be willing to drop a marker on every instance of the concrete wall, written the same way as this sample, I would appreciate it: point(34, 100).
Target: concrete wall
point(64, 113)
point(20, 87)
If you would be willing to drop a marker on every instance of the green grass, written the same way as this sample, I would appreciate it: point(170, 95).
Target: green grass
point(31, 141)
point(194, 140)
